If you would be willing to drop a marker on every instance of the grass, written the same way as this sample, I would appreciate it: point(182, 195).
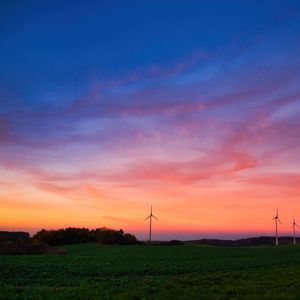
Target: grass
point(90, 271)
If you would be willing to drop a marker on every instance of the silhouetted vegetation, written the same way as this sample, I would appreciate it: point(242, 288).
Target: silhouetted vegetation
point(166, 243)
point(72, 235)
point(12, 243)
point(255, 241)
point(13, 235)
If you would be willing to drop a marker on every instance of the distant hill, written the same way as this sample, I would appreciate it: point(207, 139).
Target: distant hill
point(254, 241)
point(19, 242)
point(14, 235)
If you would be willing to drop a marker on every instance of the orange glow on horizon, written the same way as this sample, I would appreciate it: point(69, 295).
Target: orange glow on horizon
point(217, 211)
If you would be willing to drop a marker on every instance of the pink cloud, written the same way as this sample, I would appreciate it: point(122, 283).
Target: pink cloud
point(280, 179)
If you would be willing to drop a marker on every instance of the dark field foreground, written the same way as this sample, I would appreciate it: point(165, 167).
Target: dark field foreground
point(90, 271)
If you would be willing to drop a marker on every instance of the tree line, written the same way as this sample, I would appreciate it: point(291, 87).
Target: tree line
point(73, 235)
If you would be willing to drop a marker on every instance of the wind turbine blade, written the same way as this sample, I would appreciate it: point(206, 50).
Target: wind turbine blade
point(279, 221)
point(155, 217)
point(147, 218)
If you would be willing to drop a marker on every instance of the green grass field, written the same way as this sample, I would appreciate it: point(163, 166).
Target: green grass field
point(91, 271)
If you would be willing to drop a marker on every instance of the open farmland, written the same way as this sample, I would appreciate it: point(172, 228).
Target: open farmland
point(91, 271)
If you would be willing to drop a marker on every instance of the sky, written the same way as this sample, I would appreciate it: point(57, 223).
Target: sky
point(107, 107)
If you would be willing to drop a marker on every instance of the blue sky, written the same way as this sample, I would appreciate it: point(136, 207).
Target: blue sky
point(68, 44)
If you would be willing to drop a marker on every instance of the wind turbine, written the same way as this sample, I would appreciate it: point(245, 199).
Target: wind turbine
point(294, 228)
point(150, 217)
point(276, 218)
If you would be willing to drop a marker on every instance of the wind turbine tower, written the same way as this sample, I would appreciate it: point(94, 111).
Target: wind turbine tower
point(294, 228)
point(150, 218)
point(276, 218)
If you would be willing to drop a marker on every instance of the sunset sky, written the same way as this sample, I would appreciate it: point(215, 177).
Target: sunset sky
point(107, 107)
